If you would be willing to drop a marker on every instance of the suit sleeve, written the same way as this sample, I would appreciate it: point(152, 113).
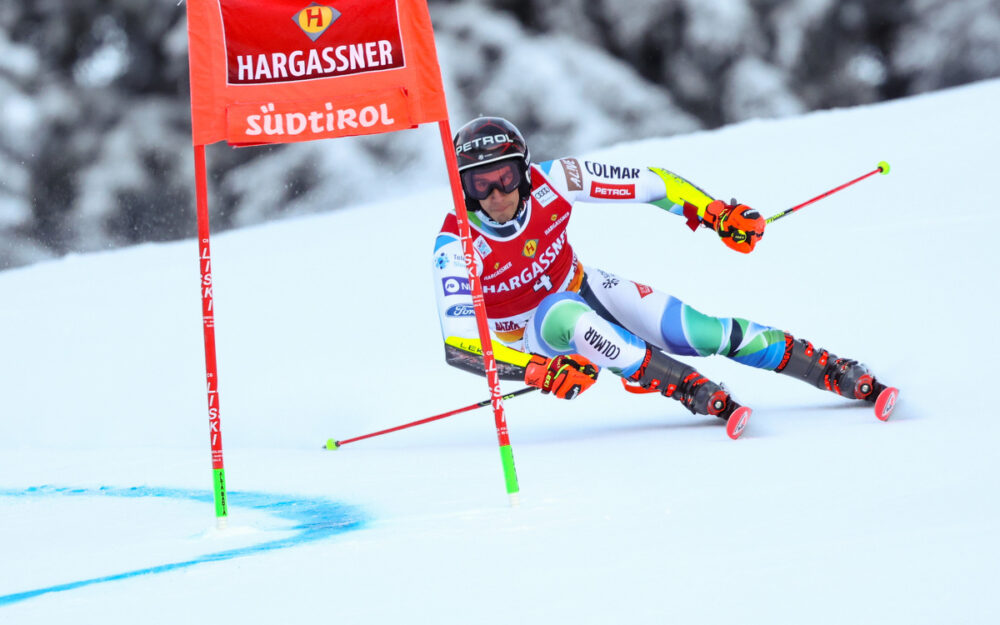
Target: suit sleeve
point(595, 181)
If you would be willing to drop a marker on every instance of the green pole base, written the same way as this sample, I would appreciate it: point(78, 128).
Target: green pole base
point(509, 472)
point(221, 506)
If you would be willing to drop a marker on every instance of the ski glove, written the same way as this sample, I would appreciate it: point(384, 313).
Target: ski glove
point(563, 376)
point(739, 226)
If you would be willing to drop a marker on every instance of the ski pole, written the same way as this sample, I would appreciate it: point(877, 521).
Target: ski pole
point(883, 168)
point(335, 444)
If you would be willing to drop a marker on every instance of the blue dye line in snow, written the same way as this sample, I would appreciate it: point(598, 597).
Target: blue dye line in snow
point(315, 519)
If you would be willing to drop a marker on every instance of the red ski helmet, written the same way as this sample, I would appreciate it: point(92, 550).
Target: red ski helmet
point(486, 140)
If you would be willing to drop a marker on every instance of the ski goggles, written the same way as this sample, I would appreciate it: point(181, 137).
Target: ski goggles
point(479, 182)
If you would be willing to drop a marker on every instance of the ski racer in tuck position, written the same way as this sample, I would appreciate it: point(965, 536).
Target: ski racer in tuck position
point(557, 322)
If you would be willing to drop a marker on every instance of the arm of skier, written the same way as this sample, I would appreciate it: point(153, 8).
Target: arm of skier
point(738, 225)
point(563, 376)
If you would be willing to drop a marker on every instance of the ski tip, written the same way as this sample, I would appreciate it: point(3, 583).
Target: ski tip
point(737, 422)
point(886, 402)
point(332, 444)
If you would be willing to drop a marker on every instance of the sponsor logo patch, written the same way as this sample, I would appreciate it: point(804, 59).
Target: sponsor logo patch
point(490, 140)
point(461, 310)
point(482, 247)
point(499, 270)
point(444, 260)
point(545, 195)
point(601, 344)
point(612, 191)
point(612, 171)
point(609, 281)
point(508, 331)
point(643, 290)
point(530, 247)
point(315, 19)
point(574, 179)
point(456, 286)
point(556, 224)
point(290, 120)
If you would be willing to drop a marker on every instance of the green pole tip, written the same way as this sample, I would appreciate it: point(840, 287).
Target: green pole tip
point(332, 444)
point(884, 166)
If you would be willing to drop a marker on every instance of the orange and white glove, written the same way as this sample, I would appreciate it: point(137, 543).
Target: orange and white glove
point(739, 226)
point(563, 376)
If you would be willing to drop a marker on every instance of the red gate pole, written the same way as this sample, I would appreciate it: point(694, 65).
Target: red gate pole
point(489, 361)
point(208, 326)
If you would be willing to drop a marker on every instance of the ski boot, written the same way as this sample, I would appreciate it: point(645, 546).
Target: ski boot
point(661, 373)
point(847, 378)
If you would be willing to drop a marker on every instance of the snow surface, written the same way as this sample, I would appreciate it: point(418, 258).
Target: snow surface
point(632, 510)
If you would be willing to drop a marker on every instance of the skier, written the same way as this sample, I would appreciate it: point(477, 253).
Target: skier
point(557, 322)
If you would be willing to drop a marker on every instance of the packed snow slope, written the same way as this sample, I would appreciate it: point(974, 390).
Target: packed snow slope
point(632, 510)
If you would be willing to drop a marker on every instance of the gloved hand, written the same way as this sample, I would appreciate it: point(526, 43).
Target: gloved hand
point(563, 376)
point(739, 225)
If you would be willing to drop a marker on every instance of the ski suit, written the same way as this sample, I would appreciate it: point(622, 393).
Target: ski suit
point(541, 299)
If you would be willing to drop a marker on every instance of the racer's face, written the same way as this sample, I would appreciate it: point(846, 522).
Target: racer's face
point(495, 186)
point(500, 206)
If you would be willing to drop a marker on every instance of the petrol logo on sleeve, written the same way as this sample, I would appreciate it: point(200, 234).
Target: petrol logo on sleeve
point(612, 191)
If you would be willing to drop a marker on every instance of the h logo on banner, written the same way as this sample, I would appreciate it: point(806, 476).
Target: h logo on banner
point(315, 19)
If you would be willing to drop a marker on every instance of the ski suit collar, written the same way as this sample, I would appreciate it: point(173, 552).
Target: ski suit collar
point(500, 231)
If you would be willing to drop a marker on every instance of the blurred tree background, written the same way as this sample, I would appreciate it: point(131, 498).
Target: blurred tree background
point(94, 112)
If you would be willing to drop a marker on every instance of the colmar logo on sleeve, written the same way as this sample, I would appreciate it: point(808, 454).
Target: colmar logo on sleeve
point(611, 171)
